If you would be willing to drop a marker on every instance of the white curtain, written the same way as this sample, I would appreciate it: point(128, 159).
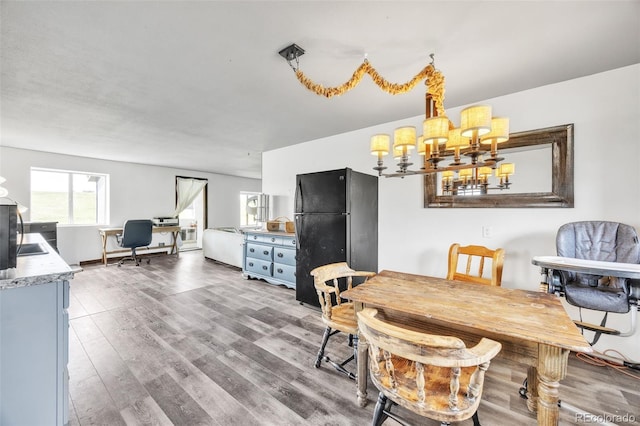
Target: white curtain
point(187, 190)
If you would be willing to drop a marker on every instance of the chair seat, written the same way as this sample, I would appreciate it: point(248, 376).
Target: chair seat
point(343, 318)
point(597, 298)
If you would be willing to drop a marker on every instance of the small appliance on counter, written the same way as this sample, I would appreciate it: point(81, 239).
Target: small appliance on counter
point(8, 235)
point(165, 221)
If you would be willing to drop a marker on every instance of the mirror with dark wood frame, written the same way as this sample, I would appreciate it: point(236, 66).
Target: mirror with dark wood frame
point(559, 139)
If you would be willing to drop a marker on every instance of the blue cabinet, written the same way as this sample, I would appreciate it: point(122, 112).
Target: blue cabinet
point(34, 337)
point(270, 256)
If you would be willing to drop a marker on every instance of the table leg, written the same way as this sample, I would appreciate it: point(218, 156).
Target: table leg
point(363, 362)
point(104, 249)
point(532, 388)
point(552, 367)
point(174, 243)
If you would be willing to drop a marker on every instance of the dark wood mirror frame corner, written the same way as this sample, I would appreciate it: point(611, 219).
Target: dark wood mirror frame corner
point(561, 195)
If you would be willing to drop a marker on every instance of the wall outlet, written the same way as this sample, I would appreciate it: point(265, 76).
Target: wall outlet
point(161, 244)
point(487, 232)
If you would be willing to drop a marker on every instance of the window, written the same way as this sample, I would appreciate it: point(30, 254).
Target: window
point(249, 207)
point(68, 197)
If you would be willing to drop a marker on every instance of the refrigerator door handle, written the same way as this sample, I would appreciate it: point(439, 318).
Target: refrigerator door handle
point(297, 231)
point(298, 200)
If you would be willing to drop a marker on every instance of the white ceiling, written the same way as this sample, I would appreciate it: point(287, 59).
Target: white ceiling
point(199, 85)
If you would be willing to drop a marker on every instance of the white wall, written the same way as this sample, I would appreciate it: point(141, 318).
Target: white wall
point(605, 109)
point(136, 192)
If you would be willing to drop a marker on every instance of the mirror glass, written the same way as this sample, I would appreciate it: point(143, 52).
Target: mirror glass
point(532, 171)
point(543, 174)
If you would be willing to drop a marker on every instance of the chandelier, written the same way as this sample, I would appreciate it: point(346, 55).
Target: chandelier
point(477, 138)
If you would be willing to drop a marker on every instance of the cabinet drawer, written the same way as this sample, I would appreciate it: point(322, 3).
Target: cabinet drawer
point(289, 242)
point(258, 266)
point(259, 238)
point(39, 227)
point(284, 272)
point(259, 251)
point(286, 256)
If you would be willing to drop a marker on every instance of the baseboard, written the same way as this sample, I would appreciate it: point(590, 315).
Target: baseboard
point(116, 259)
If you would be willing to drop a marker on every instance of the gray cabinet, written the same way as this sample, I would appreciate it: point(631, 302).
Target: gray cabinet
point(270, 256)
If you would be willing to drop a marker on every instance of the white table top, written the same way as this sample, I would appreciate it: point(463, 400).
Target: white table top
point(594, 267)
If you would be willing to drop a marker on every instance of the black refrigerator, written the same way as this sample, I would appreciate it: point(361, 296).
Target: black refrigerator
point(336, 220)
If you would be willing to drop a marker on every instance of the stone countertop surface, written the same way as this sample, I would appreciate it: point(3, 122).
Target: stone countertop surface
point(36, 269)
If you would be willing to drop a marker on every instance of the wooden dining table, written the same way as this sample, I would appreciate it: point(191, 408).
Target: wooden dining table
point(533, 327)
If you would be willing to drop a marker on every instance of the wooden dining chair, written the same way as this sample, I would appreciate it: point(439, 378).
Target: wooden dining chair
point(434, 376)
point(338, 315)
point(474, 269)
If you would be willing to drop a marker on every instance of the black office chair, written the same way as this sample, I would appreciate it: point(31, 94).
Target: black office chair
point(136, 233)
point(603, 241)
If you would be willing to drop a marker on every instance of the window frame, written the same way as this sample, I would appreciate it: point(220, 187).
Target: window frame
point(102, 201)
point(243, 208)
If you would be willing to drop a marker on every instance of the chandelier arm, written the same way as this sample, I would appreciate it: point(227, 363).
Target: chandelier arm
point(428, 171)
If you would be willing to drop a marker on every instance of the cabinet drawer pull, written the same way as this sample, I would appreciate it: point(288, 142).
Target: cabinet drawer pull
point(250, 263)
point(280, 270)
point(265, 267)
point(252, 250)
point(280, 255)
point(266, 252)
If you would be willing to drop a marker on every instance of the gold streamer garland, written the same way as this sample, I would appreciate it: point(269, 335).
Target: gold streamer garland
point(434, 82)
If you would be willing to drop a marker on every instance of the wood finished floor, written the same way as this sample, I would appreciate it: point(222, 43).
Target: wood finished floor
point(188, 341)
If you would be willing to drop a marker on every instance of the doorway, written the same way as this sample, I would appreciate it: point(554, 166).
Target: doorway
point(193, 217)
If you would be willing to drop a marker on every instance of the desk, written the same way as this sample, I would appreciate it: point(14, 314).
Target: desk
point(106, 232)
point(518, 319)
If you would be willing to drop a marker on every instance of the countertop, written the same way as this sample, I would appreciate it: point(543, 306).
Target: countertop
point(264, 231)
point(36, 269)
